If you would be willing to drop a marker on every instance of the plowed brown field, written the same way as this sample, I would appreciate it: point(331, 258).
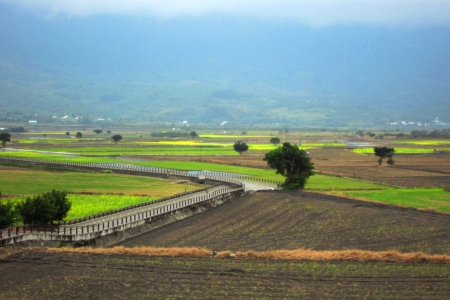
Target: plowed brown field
point(45, 275)
point(290, 220)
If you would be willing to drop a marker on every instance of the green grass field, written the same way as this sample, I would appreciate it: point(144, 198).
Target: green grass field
point(328, 183)
point(404, 150)
point(114, 150)
point(437, 199)
point(87, 205)
point(36, 182)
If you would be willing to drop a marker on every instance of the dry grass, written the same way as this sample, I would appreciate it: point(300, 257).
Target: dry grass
point(356, 255)
point(300, 254)
point(146, 251)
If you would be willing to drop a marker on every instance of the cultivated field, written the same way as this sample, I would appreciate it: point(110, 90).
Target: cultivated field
point(261, 221)
point(291, 220)
point(32, 274)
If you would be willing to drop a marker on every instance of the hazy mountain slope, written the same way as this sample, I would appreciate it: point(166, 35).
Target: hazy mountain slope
point(216, 69)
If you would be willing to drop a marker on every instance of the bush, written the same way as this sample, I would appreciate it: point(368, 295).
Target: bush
point(8, 214)
point(45, 208)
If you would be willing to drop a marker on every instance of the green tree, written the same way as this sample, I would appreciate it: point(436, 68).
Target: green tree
point(79, 135)
point(7, 214)
point(67, 133)
point(240, 147)
point(5, 137)
point(193, 134)
point(44, 208)
point(291, 162)
point(383, 152)
point(116, 138)
point(275, 140)
point(98, 131)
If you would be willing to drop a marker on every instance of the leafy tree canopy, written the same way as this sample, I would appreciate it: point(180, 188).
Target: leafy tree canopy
point(291, 162)
point(44, 208)
point(383, 152)
point(98, 131)
point(193, 134)
point(79, 135)
point(240, 147)
point(116, 138)
point(5, 137)
point(275, 140)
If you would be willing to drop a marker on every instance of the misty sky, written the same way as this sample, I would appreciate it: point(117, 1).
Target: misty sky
point(309, 12)
point(322, 49)
point(338, 43)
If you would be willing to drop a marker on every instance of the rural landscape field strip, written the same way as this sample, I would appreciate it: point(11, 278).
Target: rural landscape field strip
point(37, 274)
point(32, 182)
point(317, 182)
point(429, 199)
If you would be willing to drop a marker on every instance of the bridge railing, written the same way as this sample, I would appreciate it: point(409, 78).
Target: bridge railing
point(71, 232)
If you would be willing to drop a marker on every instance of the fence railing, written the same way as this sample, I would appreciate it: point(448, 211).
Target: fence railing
point(71, 233)
point(126, 167)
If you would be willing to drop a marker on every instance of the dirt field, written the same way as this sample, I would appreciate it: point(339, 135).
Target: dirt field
point(290, 220)
point(43, 275)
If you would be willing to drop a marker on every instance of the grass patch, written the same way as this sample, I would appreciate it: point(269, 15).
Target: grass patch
point(36, 182)
point(328, 183)
point(437, 198)
point(146, 150)
point(87, 205)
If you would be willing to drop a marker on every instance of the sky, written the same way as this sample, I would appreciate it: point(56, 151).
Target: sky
point(316, 13)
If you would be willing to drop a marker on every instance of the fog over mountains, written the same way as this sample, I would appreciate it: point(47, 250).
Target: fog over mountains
point(222, 67)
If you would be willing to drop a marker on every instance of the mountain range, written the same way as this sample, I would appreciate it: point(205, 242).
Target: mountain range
point(223, 69)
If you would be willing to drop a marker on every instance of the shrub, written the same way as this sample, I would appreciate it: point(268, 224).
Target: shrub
point(7, 214)
point(45, 208)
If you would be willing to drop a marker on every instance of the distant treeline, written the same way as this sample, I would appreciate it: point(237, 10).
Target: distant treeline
point(172, 134)
point(16, 129)
point(416, 134)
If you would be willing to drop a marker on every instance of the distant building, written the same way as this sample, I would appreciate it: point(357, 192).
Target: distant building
point(32, 122)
